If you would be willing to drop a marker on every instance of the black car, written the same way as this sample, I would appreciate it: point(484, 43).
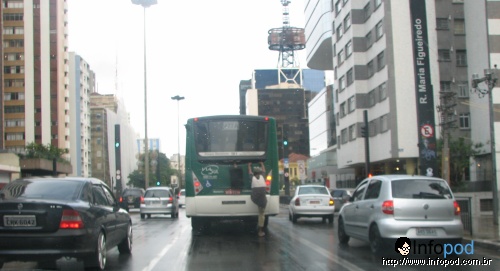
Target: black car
point(131, 198)
point(45, 218)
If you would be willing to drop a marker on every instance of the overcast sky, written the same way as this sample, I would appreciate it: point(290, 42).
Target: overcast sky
point(198, 49)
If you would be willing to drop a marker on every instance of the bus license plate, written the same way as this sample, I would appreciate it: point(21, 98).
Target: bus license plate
point(426, 232)
point(232, 192)
point(19, 221)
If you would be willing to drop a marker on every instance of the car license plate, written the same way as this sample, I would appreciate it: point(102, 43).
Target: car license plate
point(19, 221)
point(314, 202)
point(426, 232)
point(232, 191)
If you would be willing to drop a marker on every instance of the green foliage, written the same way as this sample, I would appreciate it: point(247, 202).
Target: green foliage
point(137, 177)
point(49, 151)
point(461, 152)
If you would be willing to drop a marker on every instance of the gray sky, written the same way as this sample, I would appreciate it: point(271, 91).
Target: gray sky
point(197, 49)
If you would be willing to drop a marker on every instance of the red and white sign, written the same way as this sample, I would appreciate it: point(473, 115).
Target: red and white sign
point(426, 130)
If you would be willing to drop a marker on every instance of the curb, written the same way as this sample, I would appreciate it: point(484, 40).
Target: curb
point(484, 243)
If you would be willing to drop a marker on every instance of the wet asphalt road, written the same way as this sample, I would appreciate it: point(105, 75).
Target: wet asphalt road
point(163, 243)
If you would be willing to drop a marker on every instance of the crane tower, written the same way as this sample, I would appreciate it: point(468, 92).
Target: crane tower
point(287, 40)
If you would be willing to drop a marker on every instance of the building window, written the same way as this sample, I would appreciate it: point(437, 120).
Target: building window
point(465, 121)
point(352, 132)
point(372, 128)
point(379, 28)
point(371, 98)
point(382, 91)
point(14, 109)
point(340, 32)
point(342, 110)
point(347, 22)
point(338, 7)
point(463, 89)
point(343, 136)
point(348, 49)
point(367, 11)
point(13, 96)
point(14, 123)
point(340, 57)
point(445, 86)
point(369, 68)
point(351, 104)
point(369, 39)
point(459, 27)
point(350, 77)
point(98, 141)
point(444, 55)
point(384, 126)
point(442, 24)
point(342, 83)
point(14, 136)
point(461, 57)
point(380, 61)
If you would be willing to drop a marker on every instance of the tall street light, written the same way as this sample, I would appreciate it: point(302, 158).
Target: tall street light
point(490, 79)
point(178, 98)
point(145, 4)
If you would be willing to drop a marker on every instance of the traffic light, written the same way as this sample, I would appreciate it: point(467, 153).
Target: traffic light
point(364, 132)
point(285, 141)
point(157, 183)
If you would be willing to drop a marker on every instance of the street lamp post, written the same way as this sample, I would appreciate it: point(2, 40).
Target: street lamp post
point(178, 98)
point(490, 79)
point(145, 4)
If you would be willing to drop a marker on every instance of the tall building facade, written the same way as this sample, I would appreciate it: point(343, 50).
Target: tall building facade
point(35, 84)
point(80, 88)
point(107, 111)
point(271, 94)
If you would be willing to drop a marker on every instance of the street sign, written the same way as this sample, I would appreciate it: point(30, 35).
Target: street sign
point(286, 162)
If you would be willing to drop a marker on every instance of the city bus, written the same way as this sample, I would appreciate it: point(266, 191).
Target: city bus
point(219, 150)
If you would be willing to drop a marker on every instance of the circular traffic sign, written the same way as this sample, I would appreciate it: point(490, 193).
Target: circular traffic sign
point(286, 174)
point(427, 131)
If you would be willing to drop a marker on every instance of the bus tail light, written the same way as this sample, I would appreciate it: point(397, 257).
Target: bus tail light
point(196, 185)
point(269, 179)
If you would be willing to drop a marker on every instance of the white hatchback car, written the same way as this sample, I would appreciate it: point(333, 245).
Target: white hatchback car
point(386, 207)
point(311, 201)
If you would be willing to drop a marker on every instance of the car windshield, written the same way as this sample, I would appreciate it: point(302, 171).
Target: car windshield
point(43, 189)
point(338, 193)
point(134, 192)
point(313, 190)
point(420, 189)
point(156, 193)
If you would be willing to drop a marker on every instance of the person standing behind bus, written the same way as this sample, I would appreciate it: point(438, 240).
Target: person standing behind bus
point(259, 193)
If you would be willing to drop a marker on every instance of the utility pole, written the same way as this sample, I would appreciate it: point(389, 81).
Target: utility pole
point(448, 122)
point(365, 132)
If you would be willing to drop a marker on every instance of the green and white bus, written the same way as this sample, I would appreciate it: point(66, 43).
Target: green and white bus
point(218, 152)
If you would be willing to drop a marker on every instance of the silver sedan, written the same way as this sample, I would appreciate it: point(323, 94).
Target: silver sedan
point(311, 201)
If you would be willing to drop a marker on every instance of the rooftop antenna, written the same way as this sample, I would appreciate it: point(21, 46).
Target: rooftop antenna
point(287, 40)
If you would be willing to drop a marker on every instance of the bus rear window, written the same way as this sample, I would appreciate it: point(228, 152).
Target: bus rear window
point(229, 138)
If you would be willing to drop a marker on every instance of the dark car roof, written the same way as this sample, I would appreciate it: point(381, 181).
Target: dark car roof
point(80, 179)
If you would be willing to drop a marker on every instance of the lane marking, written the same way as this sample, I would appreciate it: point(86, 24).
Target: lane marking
point(152, 264)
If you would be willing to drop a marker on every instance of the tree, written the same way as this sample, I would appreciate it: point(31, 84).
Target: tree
point(461, 153)
point(137, 177)
point(49, 151)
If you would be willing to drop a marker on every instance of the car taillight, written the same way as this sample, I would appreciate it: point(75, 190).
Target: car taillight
point(457, 208)
point(388, 207)
point(332, 202)
point(121, 199)
point(297, 202)
point(170, 200)
point(142, 199)
point(71, 219)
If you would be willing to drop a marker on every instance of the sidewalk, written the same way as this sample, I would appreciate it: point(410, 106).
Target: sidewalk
point(485, 234)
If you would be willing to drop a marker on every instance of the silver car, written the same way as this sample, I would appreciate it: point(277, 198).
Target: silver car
point(311, 201)
point(386, 207)
point(159, 200)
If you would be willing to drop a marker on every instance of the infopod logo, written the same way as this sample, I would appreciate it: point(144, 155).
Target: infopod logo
point(405, 246)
